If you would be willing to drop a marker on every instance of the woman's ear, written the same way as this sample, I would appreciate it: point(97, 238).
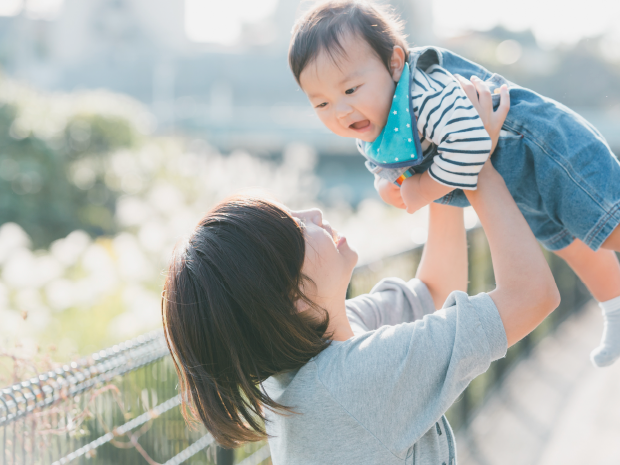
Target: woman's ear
point(397, 63)
point(301, 305)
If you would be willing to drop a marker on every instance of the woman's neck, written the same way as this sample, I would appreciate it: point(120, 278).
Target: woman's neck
point(339, 327)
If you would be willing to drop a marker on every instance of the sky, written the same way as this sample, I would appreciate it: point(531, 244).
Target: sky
point(220, 21)
point(553, 22)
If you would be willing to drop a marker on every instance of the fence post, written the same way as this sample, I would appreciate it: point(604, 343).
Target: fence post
point(224, 456)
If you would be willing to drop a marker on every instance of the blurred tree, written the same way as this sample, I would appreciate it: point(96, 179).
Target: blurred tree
point(53, 186)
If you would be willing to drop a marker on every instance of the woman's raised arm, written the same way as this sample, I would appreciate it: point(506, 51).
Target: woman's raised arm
point(525, 289)
point(443, 267)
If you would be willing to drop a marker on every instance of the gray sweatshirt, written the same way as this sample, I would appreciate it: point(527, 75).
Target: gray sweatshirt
point(380, 397)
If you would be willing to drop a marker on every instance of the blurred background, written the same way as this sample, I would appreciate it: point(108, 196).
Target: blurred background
point(123, 121)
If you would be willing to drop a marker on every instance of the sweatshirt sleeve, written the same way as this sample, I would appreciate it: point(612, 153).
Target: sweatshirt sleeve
point(397, 381)
point(447, 118)
point(392, 301)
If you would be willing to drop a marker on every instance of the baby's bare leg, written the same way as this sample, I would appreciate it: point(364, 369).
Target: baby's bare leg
point(600, 272)
point(613, 241)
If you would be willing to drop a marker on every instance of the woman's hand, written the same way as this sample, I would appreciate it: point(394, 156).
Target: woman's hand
point(389, 192)
point(480, 97)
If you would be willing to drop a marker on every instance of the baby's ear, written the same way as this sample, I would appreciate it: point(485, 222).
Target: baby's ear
point(397, 62)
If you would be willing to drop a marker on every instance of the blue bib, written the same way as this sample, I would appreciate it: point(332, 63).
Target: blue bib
point(398, 144)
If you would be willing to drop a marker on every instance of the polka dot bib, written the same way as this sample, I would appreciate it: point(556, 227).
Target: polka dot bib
point(399, 143)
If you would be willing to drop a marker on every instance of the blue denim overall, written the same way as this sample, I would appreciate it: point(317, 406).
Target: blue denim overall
point(557, 166)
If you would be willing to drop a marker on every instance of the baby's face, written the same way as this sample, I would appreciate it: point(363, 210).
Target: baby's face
point(352, 94)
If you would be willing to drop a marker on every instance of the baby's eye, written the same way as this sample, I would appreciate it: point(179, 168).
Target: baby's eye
point(350, 91)
point(321, 105)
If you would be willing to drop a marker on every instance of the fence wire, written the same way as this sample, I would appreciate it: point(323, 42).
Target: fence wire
point(106, 409)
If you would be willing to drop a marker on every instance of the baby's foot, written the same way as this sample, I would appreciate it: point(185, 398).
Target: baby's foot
point(609, 349)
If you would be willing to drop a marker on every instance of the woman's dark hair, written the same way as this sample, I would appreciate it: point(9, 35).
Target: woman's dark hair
point(322, 27)
point(230, 315)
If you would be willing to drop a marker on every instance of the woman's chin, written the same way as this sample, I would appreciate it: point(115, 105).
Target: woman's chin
point(349, 252)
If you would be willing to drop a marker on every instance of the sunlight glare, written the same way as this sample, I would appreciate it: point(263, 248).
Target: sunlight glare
point(553, 22)
point(221, 22)
point(11, 7)
point(44, 9)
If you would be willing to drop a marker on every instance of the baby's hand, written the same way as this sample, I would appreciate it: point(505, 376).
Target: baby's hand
point(389, 193)
point(480, 97)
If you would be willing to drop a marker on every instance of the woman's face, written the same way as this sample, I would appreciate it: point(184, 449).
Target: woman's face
point(329, 260)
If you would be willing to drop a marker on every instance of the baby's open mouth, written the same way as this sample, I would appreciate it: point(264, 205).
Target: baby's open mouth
point(360, 124)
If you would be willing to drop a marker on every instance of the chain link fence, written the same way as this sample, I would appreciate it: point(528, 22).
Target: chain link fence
point(121, 406)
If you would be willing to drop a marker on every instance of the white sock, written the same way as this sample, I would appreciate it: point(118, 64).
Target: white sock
point(609, 349)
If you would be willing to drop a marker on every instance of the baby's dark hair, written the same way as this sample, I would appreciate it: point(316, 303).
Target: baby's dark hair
point(321, 29)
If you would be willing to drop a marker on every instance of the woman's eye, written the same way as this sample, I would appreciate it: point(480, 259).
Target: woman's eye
point(322, 105)
point(350, 91)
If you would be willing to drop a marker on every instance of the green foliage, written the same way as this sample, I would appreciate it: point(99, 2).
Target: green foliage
point(52, 186)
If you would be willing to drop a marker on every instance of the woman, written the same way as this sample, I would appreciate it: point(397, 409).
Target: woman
point(256, 319)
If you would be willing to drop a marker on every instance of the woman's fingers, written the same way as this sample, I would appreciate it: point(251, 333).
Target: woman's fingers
point(484, 93)
point(469, 90)
point(504, 102)
point(480, 96)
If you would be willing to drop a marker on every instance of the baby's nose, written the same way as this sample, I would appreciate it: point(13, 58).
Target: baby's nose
point(343, 110)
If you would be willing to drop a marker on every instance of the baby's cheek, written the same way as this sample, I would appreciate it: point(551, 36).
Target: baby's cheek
point(382, 106)
point(331, 123)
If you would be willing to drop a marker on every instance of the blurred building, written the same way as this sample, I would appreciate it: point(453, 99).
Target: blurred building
point(243, 93)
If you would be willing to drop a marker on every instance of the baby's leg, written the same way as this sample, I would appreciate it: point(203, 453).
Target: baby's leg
point(600, 272)
point(613, 241)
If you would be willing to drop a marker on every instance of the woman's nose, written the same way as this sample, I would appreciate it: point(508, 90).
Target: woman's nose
point(317, 216)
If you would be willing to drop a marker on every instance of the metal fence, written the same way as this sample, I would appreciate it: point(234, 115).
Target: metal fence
point(120, 405)
point(114, 407)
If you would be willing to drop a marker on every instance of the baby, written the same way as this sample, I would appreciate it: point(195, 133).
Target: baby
point(425, 142)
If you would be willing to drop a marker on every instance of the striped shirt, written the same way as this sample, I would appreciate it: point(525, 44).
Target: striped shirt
point(447, 119)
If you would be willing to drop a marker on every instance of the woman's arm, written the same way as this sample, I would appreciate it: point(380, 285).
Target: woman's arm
point(525, 290)
point(443, 267)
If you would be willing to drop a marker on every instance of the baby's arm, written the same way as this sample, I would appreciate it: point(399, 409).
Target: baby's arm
point(420, 190)
point(389, 192)
point(416, 192)
point(464, 136)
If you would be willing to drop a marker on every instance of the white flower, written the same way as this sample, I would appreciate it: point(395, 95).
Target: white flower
point(408, 125)
point(395, 112)
point(396, 159)
point(395, 129)
point(412, 155)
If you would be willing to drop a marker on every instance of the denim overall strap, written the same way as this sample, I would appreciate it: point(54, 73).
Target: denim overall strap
point(424, 57)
